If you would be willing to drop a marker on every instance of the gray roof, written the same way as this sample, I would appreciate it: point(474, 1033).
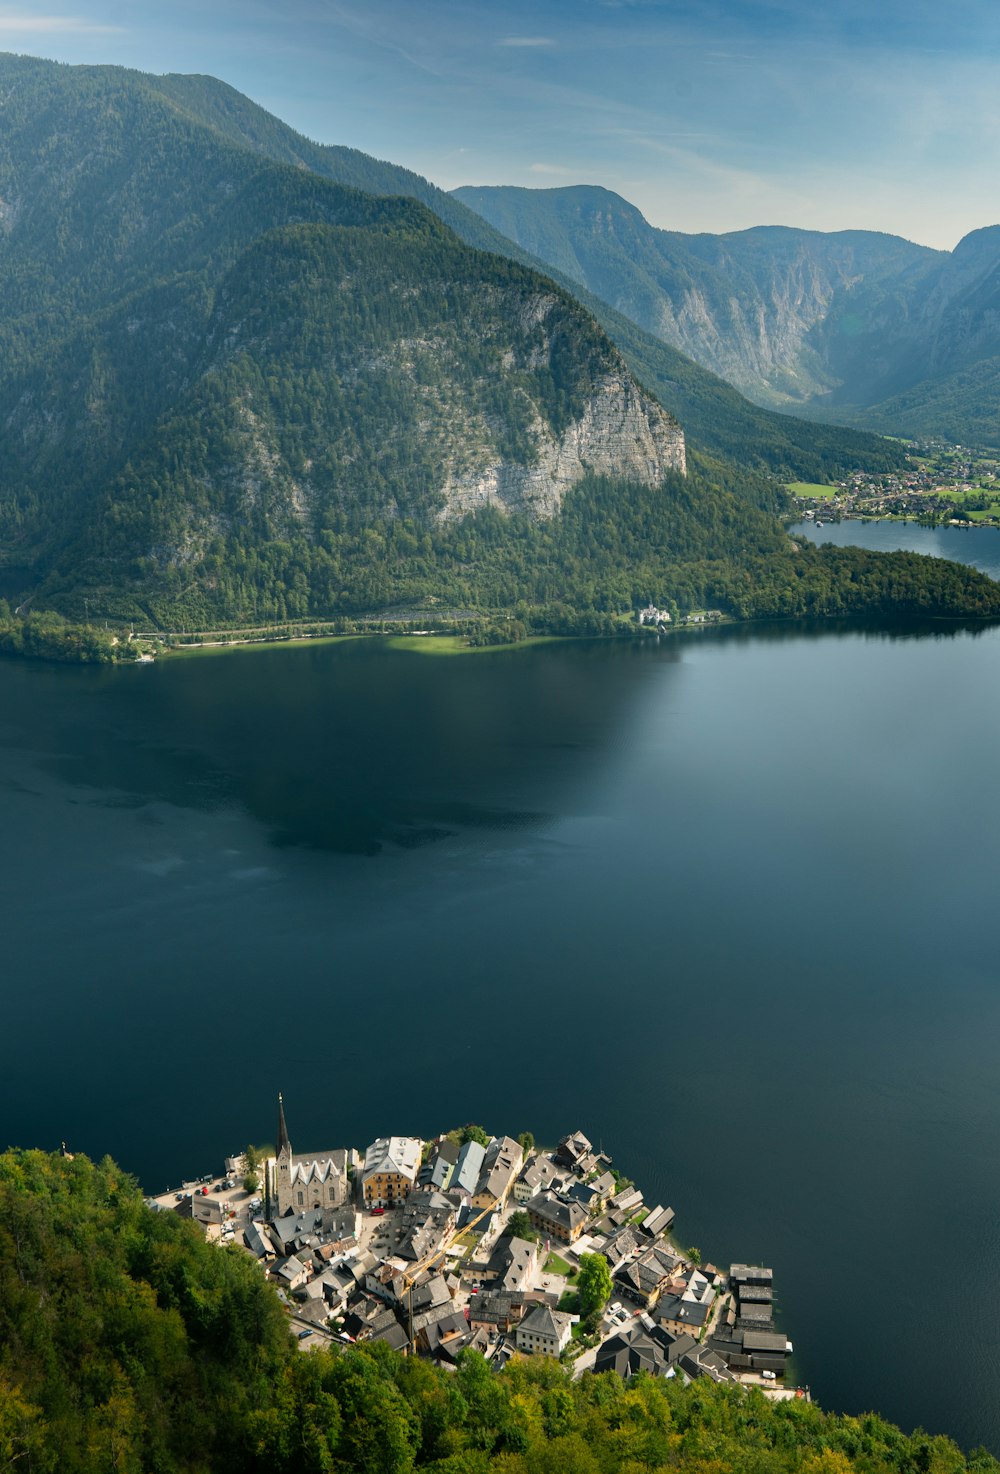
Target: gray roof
point(541, 1321)
point(642, 1348)
point(702, 1361)
point(754, 1274)
point(688, 1312)
point(393, 1154)
point(491, 1305)
point(658, 1220)
point(555, 1210)
point(256, 1242)
point(773, 1341)
point(470, 1165)
point(755, 1294)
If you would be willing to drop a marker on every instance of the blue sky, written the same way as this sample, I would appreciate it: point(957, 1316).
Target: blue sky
point(709, 116)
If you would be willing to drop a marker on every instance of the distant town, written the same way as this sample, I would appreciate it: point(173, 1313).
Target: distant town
point(492, 1243)
point(942, 484)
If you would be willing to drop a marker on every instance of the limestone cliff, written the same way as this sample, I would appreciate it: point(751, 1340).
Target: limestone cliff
point(621, 433)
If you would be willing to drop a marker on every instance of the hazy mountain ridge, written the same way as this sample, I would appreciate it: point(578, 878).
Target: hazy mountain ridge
point(833, 324)
point(713, 415)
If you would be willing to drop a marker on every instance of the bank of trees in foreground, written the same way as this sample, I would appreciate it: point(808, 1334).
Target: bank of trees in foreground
point(128, 1344)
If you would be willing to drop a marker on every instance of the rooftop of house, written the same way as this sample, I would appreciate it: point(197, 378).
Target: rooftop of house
point(400, 1154)
point(553, 1209)
point(542, 1320)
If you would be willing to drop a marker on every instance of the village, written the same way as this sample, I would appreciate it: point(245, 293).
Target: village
point(490, 1243)
point(942, 483)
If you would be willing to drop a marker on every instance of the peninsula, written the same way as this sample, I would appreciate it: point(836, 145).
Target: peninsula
point(472, 1242)
point(128, 1342)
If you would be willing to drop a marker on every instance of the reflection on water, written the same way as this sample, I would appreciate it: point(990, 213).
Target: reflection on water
point(354, 746)
point(723, 901)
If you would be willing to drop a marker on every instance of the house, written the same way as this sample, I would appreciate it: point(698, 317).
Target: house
point(468, 1169)
point(642, 1347)
point(289, 1273)
point(496, 1310)
point(258, 1241)
point(297, 1232)
point(642, 1279)
point(556, 1216)
point(572, 1151)
point(622, 1244)
point(545, 1332)
point(439, 1170)
point(629, 1200)
point(750, 1274)
point(513, 1265)
point(390, 1170)
point(297, 1181)
point(679, 1315)
point(658, 1221)
point(535, 1177)
point(688, 1306)
point(205, 1213)
point(437, 1327)
point(501, 1164)
point(702, 1361)
point(754, 1351)
point(425, 1225)
point(431, 1293)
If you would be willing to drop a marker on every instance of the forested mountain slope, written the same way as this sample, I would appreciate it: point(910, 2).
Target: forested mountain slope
point(128, 1343)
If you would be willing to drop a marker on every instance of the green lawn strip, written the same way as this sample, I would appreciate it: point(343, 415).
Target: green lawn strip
point(556, 1265)
point(458, 644)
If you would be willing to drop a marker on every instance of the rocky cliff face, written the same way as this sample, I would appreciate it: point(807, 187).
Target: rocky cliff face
point(622, 433)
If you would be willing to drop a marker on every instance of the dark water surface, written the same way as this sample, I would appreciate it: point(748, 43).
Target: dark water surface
point(979, 546)
point(727, 903)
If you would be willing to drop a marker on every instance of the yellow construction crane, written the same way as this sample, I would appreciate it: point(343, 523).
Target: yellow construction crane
point(425, 1264)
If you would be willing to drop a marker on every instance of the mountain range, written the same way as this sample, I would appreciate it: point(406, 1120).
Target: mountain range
point(857, 326)
point(247, 377)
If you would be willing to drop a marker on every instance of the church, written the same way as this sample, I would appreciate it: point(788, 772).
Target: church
point(296, 1182)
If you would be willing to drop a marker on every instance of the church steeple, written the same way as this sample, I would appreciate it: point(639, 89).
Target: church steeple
point(284, 1145)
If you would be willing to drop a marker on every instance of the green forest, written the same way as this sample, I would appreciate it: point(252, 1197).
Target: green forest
point(127, 1343)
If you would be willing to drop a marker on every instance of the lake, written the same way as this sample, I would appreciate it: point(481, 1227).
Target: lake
point(725, 902)
point(979, 546)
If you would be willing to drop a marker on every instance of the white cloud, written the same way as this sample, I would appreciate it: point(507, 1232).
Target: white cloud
point(51, 25)
point(549, 169)
point(526, 41)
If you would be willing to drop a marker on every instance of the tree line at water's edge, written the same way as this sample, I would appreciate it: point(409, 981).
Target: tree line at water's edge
point(128, 1343)
point(686, 545)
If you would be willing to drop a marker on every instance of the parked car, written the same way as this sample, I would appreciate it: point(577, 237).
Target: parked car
point(769, 1376)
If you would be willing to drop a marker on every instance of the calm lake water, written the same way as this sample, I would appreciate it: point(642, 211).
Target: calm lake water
point(979, 546)
point(725, 902)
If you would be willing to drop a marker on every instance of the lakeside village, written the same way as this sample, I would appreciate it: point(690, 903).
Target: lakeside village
point(943, 485)
point(489, 1243)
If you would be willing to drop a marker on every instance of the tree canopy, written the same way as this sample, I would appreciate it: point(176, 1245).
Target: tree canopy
point(128, 1343)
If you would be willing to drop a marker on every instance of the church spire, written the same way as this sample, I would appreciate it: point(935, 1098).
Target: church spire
point(284, 1145)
